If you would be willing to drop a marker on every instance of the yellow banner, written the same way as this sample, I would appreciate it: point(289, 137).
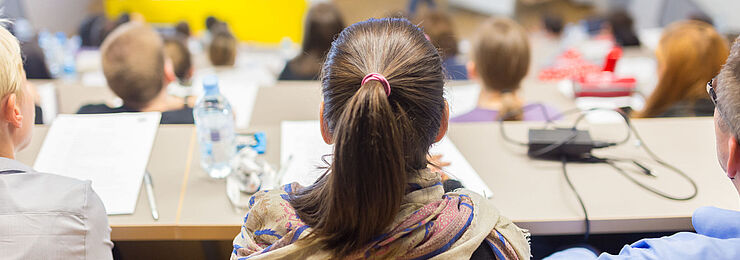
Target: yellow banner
point(262, 21)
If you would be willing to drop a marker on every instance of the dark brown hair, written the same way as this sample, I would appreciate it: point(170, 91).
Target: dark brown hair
point(178, 52)
point(438, 26)
point(623, 29)
point(378, 139)
point(133, 63)
point(323, 23)
point(501, 56)
point(223, 47)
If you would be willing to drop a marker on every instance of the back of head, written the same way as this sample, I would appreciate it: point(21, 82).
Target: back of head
point(223, 47)
point(623, 28)
point(728, 92)
point(379, 136)
point(438, 26)
point(210, 21)
point(553, 24)
point(501, 55)
point(323, 23)
point(689, 54)
point(133, 63)
point(182, 29)
point(11, 65)
point(178, 52)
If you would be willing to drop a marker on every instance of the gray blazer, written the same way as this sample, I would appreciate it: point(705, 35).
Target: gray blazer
point(47, 216)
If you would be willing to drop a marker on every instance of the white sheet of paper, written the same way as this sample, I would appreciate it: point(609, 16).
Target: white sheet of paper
point(111, 150)
point(462, 99)
point(302, 143)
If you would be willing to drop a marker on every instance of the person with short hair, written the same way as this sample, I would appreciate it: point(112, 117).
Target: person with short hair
point(223, 47)
point(137, 70)
point(441, 31)
point(43, 216)
point(182, 64)
point(717, 230)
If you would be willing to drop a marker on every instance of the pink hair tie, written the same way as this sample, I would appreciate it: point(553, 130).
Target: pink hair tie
point(378, 77)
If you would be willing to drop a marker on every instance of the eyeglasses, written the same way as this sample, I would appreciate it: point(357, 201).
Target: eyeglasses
point(710, 90)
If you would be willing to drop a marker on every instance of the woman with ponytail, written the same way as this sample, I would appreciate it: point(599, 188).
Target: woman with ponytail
point(383, 108)
point(500, 60)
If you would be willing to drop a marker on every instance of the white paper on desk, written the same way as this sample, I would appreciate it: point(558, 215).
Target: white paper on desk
point(302, 140)
point(462, 99)
point(111, 150)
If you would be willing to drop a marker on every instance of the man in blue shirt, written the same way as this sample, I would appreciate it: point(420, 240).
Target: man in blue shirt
point(717, 230)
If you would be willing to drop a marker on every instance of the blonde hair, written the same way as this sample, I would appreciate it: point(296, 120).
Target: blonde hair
point(501, 57)
point(690, 53)
point(12, 75)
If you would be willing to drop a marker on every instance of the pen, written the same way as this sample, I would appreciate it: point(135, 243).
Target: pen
point(150, 195)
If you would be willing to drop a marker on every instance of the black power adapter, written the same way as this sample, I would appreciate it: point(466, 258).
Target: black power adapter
point(560, 142)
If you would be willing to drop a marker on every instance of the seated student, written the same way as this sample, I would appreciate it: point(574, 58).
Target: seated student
point(378, 199)
point(182, 64)
point(500, 60)
point(717, 230)
point(689, 54)
point(44, 216)
point(223, 48)
point(323, 24)
point(138, 72)
point(438, 26)
point(619, 23)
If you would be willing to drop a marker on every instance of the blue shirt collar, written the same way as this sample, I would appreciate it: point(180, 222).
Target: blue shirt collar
point(716, 222)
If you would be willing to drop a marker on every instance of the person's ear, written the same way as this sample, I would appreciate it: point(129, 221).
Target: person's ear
point(733, 158)
point(12, 112)
point(443, 124)
point(324, 127)
point(169, 71)
point(472, 73)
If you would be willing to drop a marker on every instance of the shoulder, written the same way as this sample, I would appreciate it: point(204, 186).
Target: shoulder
point(477, 115)
point(684, 245)
point(95, 109)
point(60, 193)
point(180, 116)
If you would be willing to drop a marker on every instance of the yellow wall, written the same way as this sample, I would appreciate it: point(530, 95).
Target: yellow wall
point(264, 21)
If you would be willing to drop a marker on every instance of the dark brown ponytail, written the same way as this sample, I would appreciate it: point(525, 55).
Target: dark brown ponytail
point(379, 139)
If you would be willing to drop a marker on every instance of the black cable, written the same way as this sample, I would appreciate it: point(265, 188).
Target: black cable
point(648, 188)
point(587, 221)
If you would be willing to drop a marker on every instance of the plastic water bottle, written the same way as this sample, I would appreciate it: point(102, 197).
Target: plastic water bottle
point(69, 66)
point(214, 121)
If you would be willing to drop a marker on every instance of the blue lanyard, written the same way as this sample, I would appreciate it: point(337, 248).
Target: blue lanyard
point(11, 171)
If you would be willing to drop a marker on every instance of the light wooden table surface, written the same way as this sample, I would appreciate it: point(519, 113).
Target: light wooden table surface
point(532, 193)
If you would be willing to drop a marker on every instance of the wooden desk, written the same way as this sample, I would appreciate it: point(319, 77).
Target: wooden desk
point(534, 193)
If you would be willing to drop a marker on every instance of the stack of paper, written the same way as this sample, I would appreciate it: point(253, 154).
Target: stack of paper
point(302, 149)
point(111, 150)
